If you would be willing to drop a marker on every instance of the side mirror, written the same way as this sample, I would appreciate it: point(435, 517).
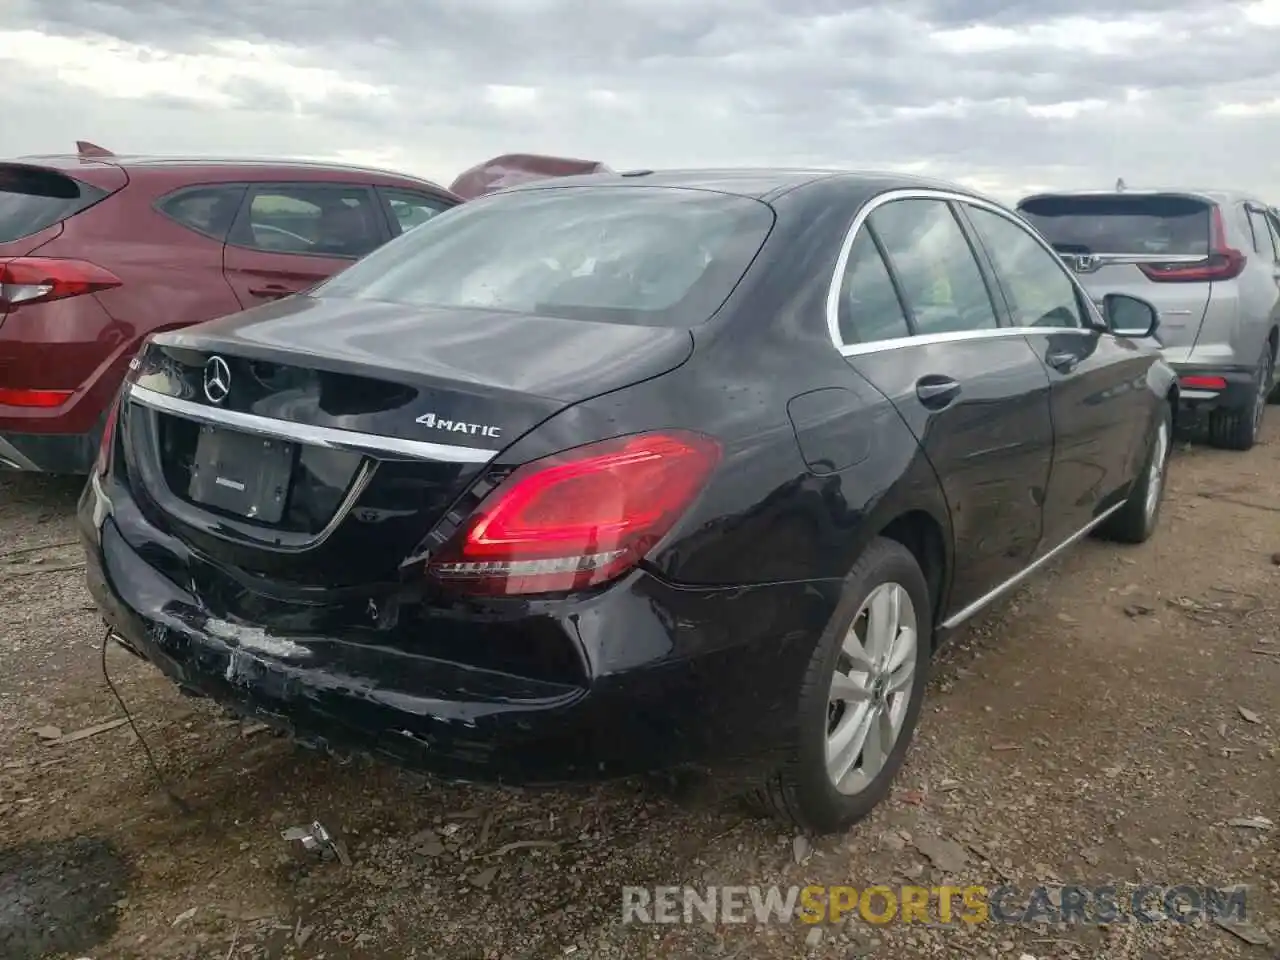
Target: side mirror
point(1128, 316)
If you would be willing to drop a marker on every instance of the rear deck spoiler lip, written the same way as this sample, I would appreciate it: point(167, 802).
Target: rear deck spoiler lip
point(1205, 198)
point(99, 173)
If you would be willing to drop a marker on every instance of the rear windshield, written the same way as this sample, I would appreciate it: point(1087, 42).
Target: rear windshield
point(642, 255)
point(1120, 224)
point(31, 200)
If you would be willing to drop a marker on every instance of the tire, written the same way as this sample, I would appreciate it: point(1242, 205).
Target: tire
point(1239, 429)
point(1137, 520)
point(801, 793)
point(1273, 397)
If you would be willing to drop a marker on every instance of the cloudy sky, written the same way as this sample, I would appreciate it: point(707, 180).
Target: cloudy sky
point(1006, 95)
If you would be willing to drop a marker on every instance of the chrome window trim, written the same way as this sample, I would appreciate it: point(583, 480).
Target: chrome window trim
point(954, 336)
point(330, 438)
point(947, 196)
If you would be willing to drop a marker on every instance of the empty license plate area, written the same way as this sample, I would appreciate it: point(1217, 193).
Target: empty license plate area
point(242, 474)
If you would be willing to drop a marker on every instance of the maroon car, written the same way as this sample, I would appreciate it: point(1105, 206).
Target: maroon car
point(99, 251)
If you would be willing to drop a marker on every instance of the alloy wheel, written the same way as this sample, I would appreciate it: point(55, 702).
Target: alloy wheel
point(871, 688)
point(1159, 461)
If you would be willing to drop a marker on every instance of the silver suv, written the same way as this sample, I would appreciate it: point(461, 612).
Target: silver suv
point(1210, 262)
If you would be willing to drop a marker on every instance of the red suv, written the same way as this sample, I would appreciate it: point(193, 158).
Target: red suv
point(99, 251)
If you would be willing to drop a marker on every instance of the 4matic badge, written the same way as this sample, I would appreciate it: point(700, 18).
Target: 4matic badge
point(458, 426)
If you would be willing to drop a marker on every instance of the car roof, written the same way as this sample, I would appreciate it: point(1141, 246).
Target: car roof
point(764, 183)
point(1210, 194)
point(226, 168)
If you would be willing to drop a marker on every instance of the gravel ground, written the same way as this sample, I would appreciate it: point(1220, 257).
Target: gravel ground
point(1106, 725)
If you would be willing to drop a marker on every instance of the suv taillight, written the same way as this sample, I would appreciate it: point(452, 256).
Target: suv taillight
point(577, 518)
point(1222, 263)
point(25, 280)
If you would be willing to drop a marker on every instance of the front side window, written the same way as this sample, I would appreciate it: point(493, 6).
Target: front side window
point(869, 305)
point(1036, 285)
point(643, 255)
point(936, 270)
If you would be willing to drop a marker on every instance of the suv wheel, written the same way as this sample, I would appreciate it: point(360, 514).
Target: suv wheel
point(1239, 429)
point(860, 697)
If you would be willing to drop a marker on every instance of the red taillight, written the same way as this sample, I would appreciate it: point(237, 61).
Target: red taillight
point(1203, 383)
point(26, 280)
point(1223, 262)
point(105, 445)
point(577, 518)
point(43, 399)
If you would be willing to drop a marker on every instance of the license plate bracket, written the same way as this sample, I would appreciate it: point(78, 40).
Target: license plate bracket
point(241, 473)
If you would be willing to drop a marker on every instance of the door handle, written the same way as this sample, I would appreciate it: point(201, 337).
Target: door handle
point(271, 291)
point(936, 392)
point(1062, 361)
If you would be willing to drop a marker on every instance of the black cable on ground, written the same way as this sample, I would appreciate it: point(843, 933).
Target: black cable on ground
point(151, 760)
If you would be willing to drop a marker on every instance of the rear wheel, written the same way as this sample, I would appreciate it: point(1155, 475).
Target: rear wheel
point(1136, 521)
point(1239, 429)
point(860, 698)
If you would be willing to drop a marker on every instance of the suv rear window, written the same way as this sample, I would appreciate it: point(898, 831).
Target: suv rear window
point(645, 255)
point(1122, 224)
point(32, 199)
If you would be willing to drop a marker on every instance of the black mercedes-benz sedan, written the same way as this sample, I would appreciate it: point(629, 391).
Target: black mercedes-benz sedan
point(628, 472)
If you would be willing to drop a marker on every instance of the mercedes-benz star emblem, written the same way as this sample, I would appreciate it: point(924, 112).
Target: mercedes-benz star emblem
point(217, 380)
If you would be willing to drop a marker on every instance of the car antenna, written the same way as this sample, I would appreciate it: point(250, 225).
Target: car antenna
point(86, 149)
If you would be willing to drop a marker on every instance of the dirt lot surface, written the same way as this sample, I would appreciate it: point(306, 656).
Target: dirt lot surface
point(1116, 722)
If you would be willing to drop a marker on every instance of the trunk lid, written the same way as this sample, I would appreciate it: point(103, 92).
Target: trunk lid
point(344, 429)
point(1136, 244)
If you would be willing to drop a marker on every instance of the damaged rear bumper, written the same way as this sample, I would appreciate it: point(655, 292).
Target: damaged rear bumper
point(673, 677)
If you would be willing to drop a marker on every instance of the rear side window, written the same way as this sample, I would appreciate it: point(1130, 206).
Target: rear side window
point(643, 255)
point(935, 266)
point(869, 305)
point(32, 199)
point(303, 218)
point(207, 210)
point(409, 209)
point(1152, 224)
point(1263, 242)
point(1274, 223)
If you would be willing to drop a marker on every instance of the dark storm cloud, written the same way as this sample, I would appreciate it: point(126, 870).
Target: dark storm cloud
point(1011, 13)
point(976, 86)
point(877, 52)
